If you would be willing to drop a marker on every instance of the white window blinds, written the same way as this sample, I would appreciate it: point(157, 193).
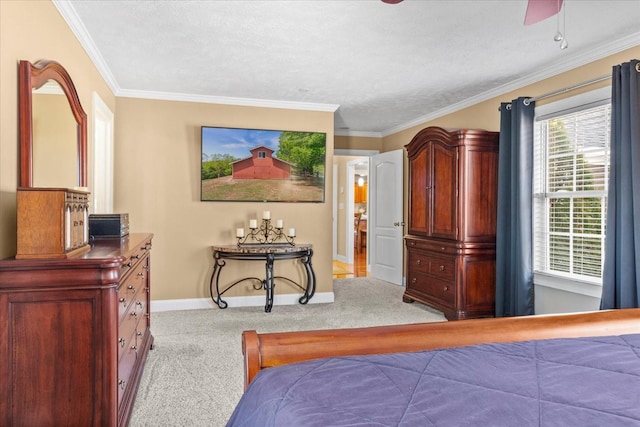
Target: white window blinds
point(571, 173)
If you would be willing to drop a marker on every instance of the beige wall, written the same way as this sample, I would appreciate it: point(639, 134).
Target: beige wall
point(358, 143)
point(158, 154)
point(33, 30)
point(157, 161)
point(157, 181)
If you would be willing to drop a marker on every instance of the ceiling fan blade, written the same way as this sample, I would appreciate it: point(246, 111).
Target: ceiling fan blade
point(539, 10)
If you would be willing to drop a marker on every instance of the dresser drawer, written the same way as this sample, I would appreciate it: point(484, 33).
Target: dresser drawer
point(431, 287)
point(125, 368)
point(126, 330)
point(133, 287)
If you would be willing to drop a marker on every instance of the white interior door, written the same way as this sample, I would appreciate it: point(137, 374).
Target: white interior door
point(385, 222)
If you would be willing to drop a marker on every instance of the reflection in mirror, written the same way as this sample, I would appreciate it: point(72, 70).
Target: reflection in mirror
point(55, 148)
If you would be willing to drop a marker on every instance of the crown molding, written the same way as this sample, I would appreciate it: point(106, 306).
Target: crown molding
point(69, 14)
point(358, 133)
point(207, 99)
point(601, 51)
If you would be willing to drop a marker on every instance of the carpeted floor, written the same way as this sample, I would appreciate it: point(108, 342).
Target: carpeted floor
point(194, 377)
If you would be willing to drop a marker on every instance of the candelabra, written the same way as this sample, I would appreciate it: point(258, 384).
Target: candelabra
point(266, 233)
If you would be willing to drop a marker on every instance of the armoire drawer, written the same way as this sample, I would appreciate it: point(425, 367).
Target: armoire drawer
point(431, 287)
point(435, 265)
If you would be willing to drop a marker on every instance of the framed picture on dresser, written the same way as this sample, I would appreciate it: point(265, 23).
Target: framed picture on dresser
point(261, 165)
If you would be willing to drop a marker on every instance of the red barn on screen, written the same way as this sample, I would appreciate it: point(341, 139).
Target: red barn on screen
point(261, 165)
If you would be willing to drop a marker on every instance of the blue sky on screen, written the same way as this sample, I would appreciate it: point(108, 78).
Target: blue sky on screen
point(237, 142)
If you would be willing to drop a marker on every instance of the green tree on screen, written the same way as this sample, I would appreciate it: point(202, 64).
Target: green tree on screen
point(306, 150)
point(217, 165)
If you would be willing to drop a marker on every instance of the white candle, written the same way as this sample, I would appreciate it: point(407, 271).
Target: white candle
point(239, 232)
point(266, 215)
point(253, 224)
point(279, 223)
point(292, 232)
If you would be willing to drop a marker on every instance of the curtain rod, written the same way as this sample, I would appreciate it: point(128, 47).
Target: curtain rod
point(527, 101)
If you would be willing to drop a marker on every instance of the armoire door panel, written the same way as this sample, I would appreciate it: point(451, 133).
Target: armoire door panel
point(480, 195)
point(418, 194)
point(444, 192)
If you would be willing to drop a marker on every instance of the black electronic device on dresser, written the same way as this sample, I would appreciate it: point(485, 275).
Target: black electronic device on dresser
point(108, 225)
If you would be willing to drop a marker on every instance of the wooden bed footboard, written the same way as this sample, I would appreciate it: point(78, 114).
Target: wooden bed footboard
point(273, 349)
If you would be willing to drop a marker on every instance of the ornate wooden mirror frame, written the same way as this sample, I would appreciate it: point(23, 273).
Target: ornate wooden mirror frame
point(33, 76)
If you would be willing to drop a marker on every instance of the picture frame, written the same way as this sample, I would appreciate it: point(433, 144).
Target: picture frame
point(262, 165)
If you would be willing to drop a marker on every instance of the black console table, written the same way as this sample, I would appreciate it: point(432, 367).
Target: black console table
point(269, 253)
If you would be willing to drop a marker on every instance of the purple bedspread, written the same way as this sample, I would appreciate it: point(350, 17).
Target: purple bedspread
point(562, 382)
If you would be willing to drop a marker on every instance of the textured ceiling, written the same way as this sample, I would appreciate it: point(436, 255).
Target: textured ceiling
point(381, 67)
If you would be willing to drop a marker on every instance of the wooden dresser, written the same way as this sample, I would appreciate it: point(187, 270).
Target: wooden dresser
point(74, 335)
point(453, 184)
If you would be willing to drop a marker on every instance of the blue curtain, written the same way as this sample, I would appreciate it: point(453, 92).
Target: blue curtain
point(621, 273)
point(514, 234)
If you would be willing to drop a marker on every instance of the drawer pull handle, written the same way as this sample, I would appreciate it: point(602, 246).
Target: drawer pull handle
point(131, 288)
point(121, 342)
point(441, 267)
point(139, 333)
point(121, 383)
point(137, 256)
point(134, 314)
point(141, 274)
point(123, 300)
point(414, 280)
point(413, 243)
point(139, 303)
point(134, 348)
point(419, 261)
point(442, 248)
point(446, 288)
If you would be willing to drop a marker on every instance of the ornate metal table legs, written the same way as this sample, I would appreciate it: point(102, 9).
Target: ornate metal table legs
point(268, 284)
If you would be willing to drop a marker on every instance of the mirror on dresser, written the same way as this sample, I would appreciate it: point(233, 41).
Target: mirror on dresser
point(52, 199)
point(54, 153)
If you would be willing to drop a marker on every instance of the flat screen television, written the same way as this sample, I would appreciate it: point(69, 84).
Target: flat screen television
point(261, 165)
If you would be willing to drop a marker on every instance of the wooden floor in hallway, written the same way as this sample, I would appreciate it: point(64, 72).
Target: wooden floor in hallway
point(342, 270)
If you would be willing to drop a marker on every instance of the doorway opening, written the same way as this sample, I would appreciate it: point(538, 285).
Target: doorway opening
point(351, 205)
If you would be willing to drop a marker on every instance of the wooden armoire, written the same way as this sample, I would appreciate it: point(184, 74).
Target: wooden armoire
point(453, 193)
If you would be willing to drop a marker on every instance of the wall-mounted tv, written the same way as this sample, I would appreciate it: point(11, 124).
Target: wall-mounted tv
point(260, 165)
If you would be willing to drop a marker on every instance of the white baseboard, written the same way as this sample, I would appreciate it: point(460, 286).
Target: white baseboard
point(252, 301)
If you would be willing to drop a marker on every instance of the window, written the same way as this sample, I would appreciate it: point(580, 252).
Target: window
point(262, 154)
point(571, 178)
